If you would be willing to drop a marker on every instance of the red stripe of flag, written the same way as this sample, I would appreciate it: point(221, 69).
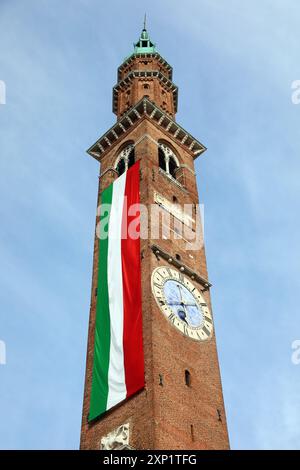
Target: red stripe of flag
point(132, 296)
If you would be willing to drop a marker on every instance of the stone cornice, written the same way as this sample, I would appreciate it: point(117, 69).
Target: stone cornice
point(145, 109)
point(143, 56)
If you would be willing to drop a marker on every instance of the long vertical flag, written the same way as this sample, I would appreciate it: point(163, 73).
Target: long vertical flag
point(118, 368)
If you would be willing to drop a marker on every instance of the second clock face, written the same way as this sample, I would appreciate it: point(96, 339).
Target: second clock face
point(182, 303)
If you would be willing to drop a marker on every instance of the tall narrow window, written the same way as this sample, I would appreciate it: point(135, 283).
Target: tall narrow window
point(187, 376)
point(192, 433)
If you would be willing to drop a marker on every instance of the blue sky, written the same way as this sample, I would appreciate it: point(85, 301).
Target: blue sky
point(234, 63)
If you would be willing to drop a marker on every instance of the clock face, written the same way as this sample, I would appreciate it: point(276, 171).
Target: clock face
point(182, 303)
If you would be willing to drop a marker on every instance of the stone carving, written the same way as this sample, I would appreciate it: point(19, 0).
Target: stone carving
point(117, 439)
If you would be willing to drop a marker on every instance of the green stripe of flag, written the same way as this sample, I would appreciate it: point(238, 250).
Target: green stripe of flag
point(99, 390)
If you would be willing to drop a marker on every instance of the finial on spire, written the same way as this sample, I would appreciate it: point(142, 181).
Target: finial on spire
point(144, 44)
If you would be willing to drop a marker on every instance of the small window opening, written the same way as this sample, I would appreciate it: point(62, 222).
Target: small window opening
point(178, 257)
point(192, 433)
point(187, 376)
point(161, 382)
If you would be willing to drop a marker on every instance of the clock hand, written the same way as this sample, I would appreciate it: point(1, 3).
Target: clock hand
point(187, 304)
point(186, 315)
point(182, 315)
point(180, 292)
point(182, 302)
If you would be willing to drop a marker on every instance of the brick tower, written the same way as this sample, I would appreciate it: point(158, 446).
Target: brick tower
point(181, 406)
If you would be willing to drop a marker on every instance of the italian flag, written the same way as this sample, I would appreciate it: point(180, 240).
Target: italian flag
point(118, 368)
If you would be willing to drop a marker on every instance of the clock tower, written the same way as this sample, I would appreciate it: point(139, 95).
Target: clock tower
point(181, 405)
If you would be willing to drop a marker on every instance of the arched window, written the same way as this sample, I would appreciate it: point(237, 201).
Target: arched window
point(167, 160)
point(125, 159)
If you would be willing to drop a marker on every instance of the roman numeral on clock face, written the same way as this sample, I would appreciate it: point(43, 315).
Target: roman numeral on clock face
point(186, 330)
point(208, 319)
point(206, 331)
point(201, 335)
point(169, 272)
point(172, 317)
point(157, 284)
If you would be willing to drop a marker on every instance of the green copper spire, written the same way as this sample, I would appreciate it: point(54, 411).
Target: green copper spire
point(144, 44)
